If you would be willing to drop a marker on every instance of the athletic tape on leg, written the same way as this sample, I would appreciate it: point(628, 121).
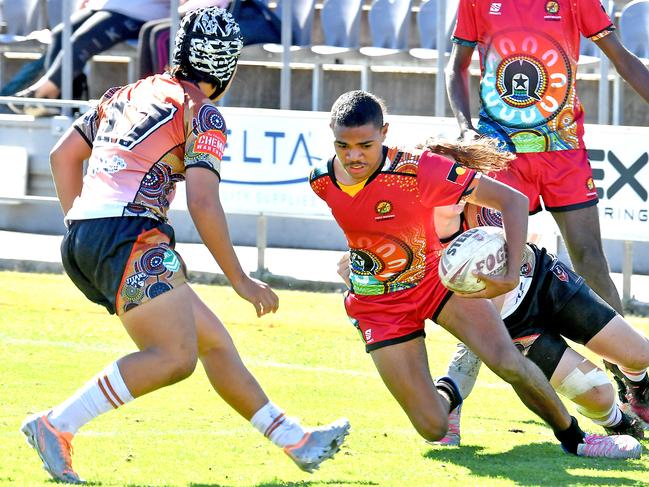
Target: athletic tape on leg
point(576, 382)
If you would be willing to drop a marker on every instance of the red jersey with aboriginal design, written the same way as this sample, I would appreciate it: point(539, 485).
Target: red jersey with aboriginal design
point(143, 138)
point(528, 58)
point(389, 223)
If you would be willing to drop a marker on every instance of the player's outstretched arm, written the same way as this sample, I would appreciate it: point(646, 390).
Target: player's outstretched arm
point(207, 213)
point(626, 63)
point(513, 206)
point(66, 164)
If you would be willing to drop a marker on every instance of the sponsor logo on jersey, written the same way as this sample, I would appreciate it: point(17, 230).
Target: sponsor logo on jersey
point(494, 8)
point(523, 81)
point(590, 184)
point(523, 344)
point(458, 174)
point(136, 280)
point(365, 263)
point(211, 142)
point(108, 166)
point(559, 271)
point(368, 335)
point(526, 269)
point(384, 209)
point(171, 261)
point(552, 9)
point(533, 78)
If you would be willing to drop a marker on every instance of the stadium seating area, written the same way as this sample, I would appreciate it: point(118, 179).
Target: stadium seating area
point(387, 46)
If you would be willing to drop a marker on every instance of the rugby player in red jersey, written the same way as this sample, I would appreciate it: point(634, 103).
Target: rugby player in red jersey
point(384, 199)
point(119, 249)
point(528, 92)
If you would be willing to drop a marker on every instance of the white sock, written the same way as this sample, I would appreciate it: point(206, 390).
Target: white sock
point(613, 418)
point(106, 391)
point(634, 375)
point(282, 430)
point(463, 369)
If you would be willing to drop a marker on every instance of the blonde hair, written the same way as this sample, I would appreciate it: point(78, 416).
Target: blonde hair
point(484, 154)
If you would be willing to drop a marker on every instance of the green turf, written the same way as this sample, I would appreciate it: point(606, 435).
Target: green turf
point(310, 361)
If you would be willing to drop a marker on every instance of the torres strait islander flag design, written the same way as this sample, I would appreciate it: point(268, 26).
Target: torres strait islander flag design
point(528, 59)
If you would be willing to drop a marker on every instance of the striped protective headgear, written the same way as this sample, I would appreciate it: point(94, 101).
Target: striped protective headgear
point(208, 44)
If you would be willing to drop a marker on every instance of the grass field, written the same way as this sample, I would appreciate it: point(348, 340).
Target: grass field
point(310, 361)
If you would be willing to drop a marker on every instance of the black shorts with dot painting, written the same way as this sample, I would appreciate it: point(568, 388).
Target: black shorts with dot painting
point(122, 262)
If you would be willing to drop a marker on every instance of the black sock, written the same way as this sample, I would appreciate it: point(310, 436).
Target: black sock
point(570, 438)
point(448, 388)
point(637, 389)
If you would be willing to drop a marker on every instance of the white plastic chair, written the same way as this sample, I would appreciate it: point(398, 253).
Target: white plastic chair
point(427, 27)
point(389, 22)
point(340, 21)
point(634, 28)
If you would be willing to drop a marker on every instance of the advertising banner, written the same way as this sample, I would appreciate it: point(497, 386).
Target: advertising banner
point(270, 154)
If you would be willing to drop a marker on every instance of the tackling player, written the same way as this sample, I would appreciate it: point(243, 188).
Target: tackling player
point(550, 303)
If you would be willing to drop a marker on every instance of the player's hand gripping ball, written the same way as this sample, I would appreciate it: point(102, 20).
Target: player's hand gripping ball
point(480, 249)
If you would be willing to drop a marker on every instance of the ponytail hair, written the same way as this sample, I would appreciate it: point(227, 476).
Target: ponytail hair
point(484, 154)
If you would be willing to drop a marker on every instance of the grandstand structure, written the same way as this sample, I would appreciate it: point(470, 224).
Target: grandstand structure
point(403, 69)
point(408, 84)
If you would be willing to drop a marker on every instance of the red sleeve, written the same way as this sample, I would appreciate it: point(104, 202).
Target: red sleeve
point(442, 182)
point(465, 26)
point(317, 184)
point(592, 19)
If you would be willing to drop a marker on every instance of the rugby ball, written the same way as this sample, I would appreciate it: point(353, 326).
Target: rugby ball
point(480, 249)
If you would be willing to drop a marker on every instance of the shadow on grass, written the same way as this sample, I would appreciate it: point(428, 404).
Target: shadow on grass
point(273, 483)
point(281, 483)
point(522, 464)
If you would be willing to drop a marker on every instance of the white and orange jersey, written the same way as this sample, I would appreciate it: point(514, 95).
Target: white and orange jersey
point(143, 138)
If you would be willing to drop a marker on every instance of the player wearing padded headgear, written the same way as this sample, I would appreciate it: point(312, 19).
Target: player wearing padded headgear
point(119, 249)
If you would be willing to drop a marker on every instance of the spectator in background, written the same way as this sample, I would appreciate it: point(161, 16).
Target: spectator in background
point(257, 22)
point(27, 19)
point(528, 55)
point(96, 26)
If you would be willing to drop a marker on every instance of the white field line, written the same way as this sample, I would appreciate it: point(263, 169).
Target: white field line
point(226, 432)
point(83, 347)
